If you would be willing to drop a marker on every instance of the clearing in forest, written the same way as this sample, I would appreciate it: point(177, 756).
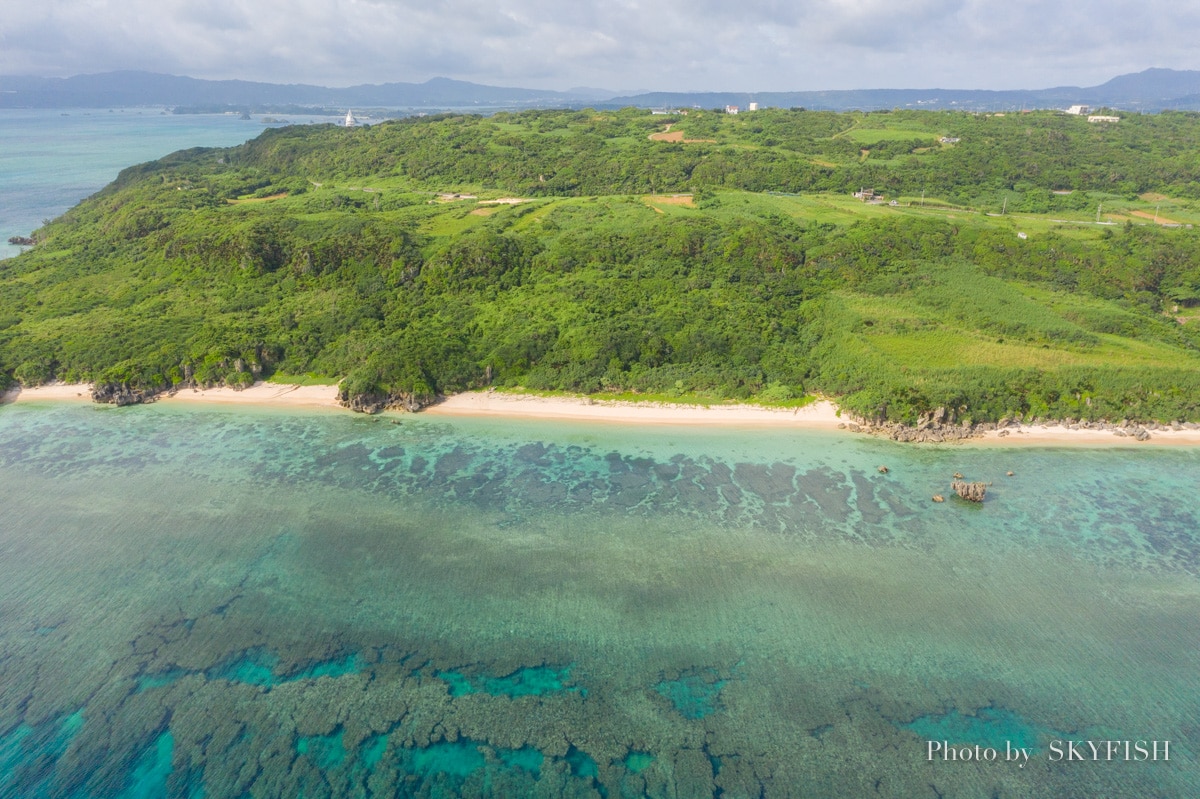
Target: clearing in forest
point(676, 136)
point(1162, 220)
point(668, 199)
point(279, 196)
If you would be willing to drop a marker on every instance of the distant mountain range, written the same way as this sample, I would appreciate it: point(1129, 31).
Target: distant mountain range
point(115, 89)
point(1150, 90)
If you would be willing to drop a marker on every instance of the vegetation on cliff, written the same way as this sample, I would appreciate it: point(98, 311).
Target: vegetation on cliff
point(722, 257)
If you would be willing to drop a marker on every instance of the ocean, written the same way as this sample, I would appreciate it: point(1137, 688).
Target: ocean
point(219, 602)
point(50, 159)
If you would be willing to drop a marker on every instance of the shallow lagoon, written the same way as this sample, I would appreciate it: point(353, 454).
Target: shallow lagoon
point(227, 603)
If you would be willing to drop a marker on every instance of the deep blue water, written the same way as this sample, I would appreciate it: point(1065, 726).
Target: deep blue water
point(50, 159)
point(217, 603)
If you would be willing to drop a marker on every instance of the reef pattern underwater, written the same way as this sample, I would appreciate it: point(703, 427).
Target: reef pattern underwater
point(239, 603)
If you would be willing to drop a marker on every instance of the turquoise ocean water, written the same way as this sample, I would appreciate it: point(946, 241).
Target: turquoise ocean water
point(247, 603)
point(52, 159)
point(214, 603)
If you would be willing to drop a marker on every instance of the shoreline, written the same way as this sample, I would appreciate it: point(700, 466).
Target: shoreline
point(819, 415)
point(280, 395)
point(1058, 435)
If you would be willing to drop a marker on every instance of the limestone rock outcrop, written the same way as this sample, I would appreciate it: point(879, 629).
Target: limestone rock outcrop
point(973, 492)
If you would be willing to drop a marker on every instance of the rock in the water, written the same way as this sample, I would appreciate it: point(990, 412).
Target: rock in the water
point(973, 492)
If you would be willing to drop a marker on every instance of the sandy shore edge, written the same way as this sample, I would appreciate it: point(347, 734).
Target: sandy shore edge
point(58, 392)
point(268, 394)
point(820, 415)
point(1057, 435)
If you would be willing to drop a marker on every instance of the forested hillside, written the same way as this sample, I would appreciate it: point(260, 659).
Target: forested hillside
point(1028, 264)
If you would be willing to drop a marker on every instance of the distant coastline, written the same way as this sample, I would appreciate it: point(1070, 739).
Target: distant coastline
point(820, 415)
point(1152, 90)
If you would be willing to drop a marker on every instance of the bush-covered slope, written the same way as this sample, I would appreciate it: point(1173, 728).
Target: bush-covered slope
point(374, 256)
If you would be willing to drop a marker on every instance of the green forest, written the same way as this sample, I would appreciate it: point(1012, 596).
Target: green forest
point(994, 265)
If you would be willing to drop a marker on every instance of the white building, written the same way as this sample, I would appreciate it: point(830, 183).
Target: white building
point(350, 120)
point(1078, 110)
point(1103, 119)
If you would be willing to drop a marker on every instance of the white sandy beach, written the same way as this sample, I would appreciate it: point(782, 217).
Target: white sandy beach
point(273, 394)
point(820, 415)
point(59, 392)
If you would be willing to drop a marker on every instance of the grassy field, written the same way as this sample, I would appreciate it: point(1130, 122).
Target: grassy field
point(310, 379)
point(869, 136)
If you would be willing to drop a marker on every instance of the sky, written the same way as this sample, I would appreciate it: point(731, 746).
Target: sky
point(621, 45)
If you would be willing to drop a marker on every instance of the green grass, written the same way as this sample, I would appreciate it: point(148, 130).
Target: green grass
point(453, 222)
point(309, 379)
point(868, 136)
point(666, 398)
point(948, 347)
point(956, 317)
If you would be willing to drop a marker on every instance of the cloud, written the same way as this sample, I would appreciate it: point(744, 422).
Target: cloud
point(659, 44)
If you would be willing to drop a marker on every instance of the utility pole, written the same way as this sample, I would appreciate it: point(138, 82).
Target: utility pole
point(1098, 207)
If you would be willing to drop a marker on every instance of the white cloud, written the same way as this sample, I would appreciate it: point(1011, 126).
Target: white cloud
point(659, 44)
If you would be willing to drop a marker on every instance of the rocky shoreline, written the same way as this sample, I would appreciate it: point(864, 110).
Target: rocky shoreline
point(121, 395)
point(377, 403)
point(938, 427)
